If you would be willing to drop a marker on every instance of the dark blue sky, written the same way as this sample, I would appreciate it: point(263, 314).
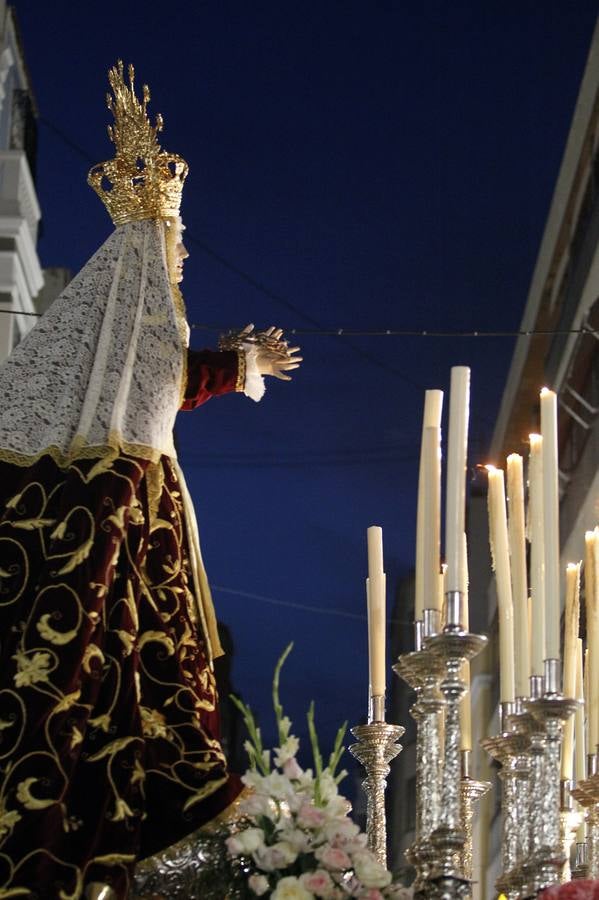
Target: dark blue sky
point(377, 164)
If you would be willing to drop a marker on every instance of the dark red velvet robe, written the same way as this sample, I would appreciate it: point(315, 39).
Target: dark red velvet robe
point(109, 732)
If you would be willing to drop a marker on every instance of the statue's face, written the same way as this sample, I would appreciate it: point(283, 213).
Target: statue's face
point(176, 251)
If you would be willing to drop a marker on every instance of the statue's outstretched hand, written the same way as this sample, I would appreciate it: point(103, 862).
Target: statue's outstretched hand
point(273, 355)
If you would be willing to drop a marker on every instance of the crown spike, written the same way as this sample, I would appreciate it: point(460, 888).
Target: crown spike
point(145, 182)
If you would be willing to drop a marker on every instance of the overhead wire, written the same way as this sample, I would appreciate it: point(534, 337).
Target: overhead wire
point(382, 332)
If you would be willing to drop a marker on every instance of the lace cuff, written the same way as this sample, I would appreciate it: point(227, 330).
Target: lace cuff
point(249, 379)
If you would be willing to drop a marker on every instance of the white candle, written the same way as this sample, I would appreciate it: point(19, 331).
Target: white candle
point(501, 564)
point(551, 522)
point(537, 554)
point(455, 512)
point(517, 541)
point(465, 702)
point(376, 611)
point(442, 580)
point(580, 752)
point(428, 522)
point(571, 622)
point(591, 589)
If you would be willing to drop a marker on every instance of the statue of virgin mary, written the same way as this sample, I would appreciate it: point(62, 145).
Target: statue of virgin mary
point(109, 733)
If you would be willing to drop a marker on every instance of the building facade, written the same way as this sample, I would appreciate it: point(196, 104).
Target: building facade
point(21, 277)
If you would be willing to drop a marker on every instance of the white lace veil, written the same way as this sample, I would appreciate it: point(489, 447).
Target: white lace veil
point(103, 370)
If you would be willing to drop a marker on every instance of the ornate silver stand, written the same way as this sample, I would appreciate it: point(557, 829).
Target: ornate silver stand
point(422, 671)
point(471, 791)
point(550, 711)
point(453, 646)
point(377, 746)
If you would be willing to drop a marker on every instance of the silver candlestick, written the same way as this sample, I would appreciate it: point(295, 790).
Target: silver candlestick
point(422, 671)
point(377, 746)
point(550, 711)
point(509, 749)
point(453, 646)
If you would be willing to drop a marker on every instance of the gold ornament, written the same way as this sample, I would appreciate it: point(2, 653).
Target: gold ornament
point(237, 340)
point(142, 181)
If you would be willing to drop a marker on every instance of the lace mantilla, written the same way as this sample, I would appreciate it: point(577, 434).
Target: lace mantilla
point(103, 369)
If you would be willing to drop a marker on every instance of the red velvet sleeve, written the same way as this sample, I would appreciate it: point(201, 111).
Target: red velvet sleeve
point(211, 373)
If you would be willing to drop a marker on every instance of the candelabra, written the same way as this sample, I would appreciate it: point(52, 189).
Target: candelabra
point(587, 794)
point(550, 711)
point(377, 746)
point(422, 671)
point(453, 646)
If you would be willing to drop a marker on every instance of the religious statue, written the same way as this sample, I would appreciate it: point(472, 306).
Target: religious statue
point(109, 734)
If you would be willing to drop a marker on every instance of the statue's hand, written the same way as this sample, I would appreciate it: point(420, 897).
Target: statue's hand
point(273, 355)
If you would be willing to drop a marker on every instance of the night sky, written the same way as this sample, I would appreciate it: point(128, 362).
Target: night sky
point(357, 165)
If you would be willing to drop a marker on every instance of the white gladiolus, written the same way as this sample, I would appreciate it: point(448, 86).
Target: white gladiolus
point(286, 751)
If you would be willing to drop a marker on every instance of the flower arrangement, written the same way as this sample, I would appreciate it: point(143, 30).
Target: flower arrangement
point(295, 840)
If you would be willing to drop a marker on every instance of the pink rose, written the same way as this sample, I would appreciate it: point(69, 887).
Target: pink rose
point(372, 894)
point(333, 858)
point(309, 816)
point(318, 882)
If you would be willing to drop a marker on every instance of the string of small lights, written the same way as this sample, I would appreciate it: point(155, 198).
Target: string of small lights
point(383, 332)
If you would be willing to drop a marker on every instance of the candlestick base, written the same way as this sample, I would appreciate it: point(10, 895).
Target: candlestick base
point(377, 746)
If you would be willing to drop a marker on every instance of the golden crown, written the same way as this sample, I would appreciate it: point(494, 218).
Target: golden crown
point(142, 181)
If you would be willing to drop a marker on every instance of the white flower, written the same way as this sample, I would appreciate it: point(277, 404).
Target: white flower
point(258, 884)
point(278, 787)
point(285, 726)
point(291, 889)
point(245, 842)
point(340, 829)
point(279, 856)
point(255, 780)
point(328, 786)
point(298, 839)
point(287, 750)
point(370, 872)
point(259, 805)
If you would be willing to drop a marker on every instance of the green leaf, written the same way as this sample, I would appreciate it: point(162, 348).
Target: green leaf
point(275, 693)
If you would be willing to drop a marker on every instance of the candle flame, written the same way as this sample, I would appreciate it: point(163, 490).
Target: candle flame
point(545, 391)
point(534, 439)
point(490, 468)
